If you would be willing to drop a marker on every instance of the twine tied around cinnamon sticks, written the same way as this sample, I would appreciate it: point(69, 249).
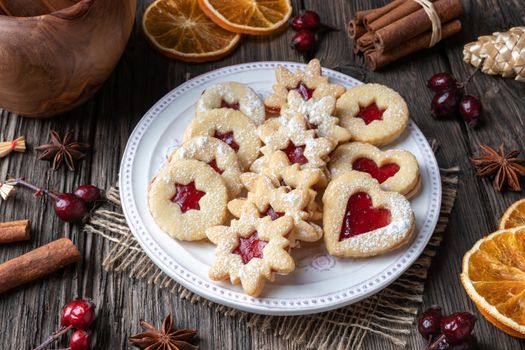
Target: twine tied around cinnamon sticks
point(429, 9)
point(402, 27)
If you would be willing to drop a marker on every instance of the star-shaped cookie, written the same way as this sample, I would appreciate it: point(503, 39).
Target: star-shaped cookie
point(309, 83)
point(301, 144)
point(319, 114)
point(251, 250)
point(280, 201)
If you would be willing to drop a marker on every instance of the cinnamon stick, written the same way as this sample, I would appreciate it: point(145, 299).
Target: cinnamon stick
point(38, 263)
point(375, 14)
point(376, 60)
point(14, 231)
point(355, 26)
point(408, 27)
point(399, 12)
point(365, 42)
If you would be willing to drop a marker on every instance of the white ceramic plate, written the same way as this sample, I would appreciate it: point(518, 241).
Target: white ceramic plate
point(320, 281)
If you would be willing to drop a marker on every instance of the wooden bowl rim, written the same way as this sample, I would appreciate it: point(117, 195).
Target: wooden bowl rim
point(72, 11)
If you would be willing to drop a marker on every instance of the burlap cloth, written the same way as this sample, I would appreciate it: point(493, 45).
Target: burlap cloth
point(389, 314)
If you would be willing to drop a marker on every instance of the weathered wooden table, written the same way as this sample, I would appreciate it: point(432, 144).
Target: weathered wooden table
point(30, 313)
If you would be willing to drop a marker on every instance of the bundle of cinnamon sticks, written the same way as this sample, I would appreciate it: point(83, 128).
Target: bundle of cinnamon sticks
point(400, 28)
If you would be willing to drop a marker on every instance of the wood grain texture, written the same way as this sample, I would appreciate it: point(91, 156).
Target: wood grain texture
point(29, 314)
point(51, 63)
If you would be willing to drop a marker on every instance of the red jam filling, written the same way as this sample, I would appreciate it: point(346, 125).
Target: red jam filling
point(273, 110)
point(215, 167)
point(370, 113)
point(361, 216)
point(234, 105)
point(272, 213)
point(305, 91)
point(311, 126)
point(187, 197)
point(369, 166)
point(250, 247)
point(227, 137)
point(295, 154)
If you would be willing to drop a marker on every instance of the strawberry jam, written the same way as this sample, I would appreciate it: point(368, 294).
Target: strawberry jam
point(305, 91)
point(215, 167)
point(234, 105)
point(272, 213)
point(369, 166)
point(370, 113)
point(295, 154)
point(227, 137)
point(361, 216)
point(250, 247)
point(187, 197)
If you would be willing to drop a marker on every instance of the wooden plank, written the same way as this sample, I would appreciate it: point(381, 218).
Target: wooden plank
point(29, 314)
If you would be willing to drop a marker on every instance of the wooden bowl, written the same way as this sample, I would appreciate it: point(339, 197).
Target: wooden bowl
point(51, 63)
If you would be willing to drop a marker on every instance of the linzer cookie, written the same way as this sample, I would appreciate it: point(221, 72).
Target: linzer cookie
point(251, 250)
point(396, 170)
point(187, 197)
point(308, 83)
point(217, 154)
point(319, 114)
point(280, 201)
point(300, 144)
point(231, 127)
point(277, 166)
point(232, 95)
point(362, 220)
point(373, 113)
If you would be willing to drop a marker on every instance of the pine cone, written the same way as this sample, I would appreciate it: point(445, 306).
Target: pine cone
point(500, 53)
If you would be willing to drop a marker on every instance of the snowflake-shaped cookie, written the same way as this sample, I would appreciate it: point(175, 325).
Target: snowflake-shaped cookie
point(277, 166)
point(251, 250)
point(319, 114)
point(309, 83)
point(301, 144)
point(280, 201)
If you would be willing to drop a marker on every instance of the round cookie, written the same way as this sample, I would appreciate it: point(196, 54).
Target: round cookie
point(231, 127)
point(232, 95)
point(218, 155)
point(395, 170)
point(373, 113)
point(186, 198)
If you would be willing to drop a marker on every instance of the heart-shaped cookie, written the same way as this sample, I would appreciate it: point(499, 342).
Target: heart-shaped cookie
point(395, 170)
point(362, 220)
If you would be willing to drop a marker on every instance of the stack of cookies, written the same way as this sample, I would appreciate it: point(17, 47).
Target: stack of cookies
point(259, 178)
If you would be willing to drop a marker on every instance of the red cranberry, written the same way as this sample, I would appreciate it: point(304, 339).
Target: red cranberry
point(79, 340)
point(79, 314)
point(445, 103)
point(458, 326)
point(70, 208)
point(303, 41)
point(470, 110)
point(307, 20)
point(89, 194)
point(441, 81)
point(429, 322)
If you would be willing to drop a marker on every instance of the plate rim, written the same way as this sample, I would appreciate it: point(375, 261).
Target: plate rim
point(326, 302)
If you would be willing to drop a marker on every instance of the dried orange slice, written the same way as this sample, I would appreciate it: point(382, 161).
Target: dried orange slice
point(179, 29)
point(514, 216)
point(494, 278)
point(256, 17)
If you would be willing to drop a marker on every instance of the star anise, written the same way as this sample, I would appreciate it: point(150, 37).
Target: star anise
point(62, 150)
point(505, 167)
point(167, 338)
